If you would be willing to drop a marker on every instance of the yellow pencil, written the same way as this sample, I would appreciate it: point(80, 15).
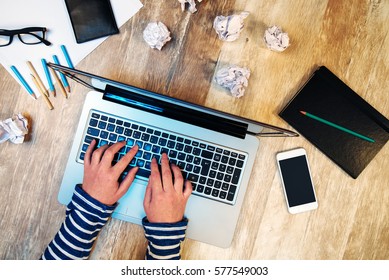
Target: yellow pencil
point(58, 82)
point(49, 105)
point(38, 79)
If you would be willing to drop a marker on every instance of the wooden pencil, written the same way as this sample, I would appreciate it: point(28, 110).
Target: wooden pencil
point(38, 79)
point(59, 83)
point(48, 103)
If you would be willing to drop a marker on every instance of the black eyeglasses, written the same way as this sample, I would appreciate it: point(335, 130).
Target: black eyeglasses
point(28, 36)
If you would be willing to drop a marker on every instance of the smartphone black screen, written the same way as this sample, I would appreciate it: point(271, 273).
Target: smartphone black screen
point(297, 181)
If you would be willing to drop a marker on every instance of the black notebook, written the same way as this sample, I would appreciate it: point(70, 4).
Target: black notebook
point(327, 97)
point(91, 19)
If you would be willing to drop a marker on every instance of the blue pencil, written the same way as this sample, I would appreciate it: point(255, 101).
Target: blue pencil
point(63, 78)
point(49, 80)
point(23, 81)
point(67, 57)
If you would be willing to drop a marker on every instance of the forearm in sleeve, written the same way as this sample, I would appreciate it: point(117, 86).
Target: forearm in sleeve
point(164, 239)
point(85, 217)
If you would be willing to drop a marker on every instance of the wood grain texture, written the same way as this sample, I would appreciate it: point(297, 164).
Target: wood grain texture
point(352, 221)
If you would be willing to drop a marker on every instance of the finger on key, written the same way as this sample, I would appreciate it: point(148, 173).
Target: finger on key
point(122, 164)
point(166, 173)
point(109, 153)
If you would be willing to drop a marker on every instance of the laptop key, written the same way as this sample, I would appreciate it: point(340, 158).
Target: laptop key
point(205, 164)
point(119, 129)
point(88, 139)
point(196, 151)
point(111, 127)
point(93, 131)
point(102, 125)
point(197, 169)
point(207, 154)
point(145, 137)
point(236, 176)
point(210, 182)
point(225, 186)
point(222, 195)
point(112, 137)
point(231, 193)
point(154, 139)
point(193, 177)
point(93, 122)
point(95, 115)
point(136, 135)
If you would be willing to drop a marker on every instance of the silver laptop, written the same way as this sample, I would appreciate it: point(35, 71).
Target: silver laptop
point(215, 151)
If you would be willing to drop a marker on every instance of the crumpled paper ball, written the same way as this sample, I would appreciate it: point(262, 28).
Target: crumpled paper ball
point(275, 39)
point(14, 129)
point(233, 78)
point(156, 35)
point(228, 28)
point(192, 5)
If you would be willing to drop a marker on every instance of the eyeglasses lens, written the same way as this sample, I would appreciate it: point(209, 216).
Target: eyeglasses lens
point(31, 38)
point(4, 40)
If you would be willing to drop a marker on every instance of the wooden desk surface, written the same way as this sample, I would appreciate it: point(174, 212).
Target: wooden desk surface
point(352, 221)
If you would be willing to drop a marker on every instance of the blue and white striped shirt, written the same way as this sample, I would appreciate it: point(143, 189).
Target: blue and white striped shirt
point(85, 217)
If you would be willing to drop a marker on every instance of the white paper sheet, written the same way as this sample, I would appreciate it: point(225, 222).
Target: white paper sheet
point(52, 14)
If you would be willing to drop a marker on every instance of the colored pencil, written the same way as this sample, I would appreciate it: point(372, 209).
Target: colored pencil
point(49, 80)
point(23, 81)
point(67, 57)
point(337, 126)
point(63, 78)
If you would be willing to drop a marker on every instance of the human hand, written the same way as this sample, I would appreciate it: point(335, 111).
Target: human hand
point(101, 178)
point(166, 197)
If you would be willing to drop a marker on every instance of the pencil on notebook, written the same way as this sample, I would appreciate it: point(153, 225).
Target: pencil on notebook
point(58, 81)
point(337, 126)
point(41, 87)
point(48, 103)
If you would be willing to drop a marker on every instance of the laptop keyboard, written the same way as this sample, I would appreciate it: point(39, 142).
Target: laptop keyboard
point(215, 171)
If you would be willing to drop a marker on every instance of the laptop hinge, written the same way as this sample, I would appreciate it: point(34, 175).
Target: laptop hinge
point(135, 99)
point(175, 108)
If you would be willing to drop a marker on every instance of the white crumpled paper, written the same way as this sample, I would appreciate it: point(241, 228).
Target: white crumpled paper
point(275, 39)
point(233, 78)
point(192, 5)
point(228, 28)
point(13, 129)
point(156, 35)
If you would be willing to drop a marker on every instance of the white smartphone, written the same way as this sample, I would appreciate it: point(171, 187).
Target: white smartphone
point(296, 180)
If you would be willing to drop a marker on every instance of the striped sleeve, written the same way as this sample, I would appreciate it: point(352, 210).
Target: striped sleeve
point(164, 239)
point(85, 217)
